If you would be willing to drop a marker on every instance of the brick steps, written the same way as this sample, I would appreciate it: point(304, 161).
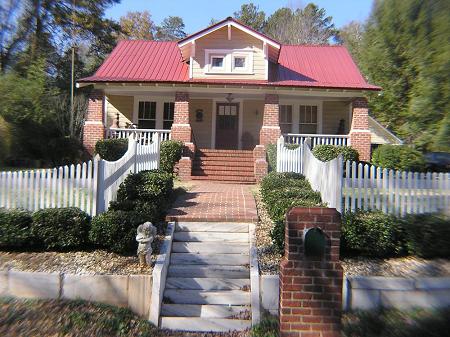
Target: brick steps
point(224, 166)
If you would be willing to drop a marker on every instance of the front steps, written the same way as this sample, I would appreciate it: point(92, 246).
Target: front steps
point(208, 280)
point(224, 165)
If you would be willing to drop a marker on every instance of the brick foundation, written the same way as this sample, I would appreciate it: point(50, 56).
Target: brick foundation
point(93, 129)
point(311, 287)
point(185, 167)
point(360, 138)
point(270, 130)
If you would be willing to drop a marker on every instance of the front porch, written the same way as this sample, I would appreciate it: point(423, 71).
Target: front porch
point(229, 118)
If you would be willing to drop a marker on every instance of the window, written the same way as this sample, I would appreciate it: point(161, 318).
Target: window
point(286, 118)
point(169, 108)
point(217, 63)
point(147, 115)
point(308, 119)
point(239, 61)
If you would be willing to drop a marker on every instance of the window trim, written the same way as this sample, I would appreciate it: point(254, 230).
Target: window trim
point(228, 58)
point(296, 112)
point(173, 115)
point(291, 123)
point(160, 100)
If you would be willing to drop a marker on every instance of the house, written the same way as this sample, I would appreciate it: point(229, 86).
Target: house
point(227, 92)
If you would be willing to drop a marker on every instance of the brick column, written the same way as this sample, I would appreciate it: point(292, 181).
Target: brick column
point(181, 130)
point(311, 287)
point(270, 130)
point(94, 129)
point(261, 166)
point(359, 132)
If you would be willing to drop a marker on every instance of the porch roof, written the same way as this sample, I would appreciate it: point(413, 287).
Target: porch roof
point(300, 66)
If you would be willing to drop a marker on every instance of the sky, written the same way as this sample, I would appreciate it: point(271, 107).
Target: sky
point(197, 14)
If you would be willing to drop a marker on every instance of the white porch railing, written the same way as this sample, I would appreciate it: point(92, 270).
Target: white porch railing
point(89, 186)
point(145, 136)
point(317, 139)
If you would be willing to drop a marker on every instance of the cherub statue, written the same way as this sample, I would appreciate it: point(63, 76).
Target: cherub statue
point(145, 235)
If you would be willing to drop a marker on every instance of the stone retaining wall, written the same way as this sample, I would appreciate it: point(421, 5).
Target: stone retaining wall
point(132, 291)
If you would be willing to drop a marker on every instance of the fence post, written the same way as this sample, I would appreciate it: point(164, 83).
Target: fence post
point(100, 196)
point(280, 146)
point(158, 149)
point(339, 182)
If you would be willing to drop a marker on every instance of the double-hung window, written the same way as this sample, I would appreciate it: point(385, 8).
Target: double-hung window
point(147, 115)
point(308, 119)
point(169, 108)
point(286, 118)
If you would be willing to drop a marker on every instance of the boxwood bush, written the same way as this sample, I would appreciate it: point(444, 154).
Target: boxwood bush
point(398, 157)
point(329, 152)
point(61, 228)
point(15, 228)
point(111, 149)
point(282, 191)
point(171, 151)
point(271, 150)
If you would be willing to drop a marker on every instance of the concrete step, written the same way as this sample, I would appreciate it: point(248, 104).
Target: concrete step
point(196, 283)
point(209, 259)
point(227, 272)
point(225, 297)
point(212, 227)
point(210, 247)
point(204, 325)
point(210, 236)
point(225, 179)
point(205, 311)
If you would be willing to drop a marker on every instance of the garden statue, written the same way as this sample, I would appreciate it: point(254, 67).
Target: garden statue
point(145, 235)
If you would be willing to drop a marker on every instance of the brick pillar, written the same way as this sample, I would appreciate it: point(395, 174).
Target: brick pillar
point(261, 166)
point(181, 130)
point(311, 287)
point(94, 129)
point(270, 130)
point(359, 132)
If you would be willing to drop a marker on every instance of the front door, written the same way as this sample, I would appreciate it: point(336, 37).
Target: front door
point(227, 123)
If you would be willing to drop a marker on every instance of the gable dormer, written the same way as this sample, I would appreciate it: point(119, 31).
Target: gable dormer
point(229, 50)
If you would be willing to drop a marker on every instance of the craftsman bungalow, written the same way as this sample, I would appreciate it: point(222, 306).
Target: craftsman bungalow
point(227, 91)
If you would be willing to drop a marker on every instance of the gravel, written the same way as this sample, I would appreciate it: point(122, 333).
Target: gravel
point(268, 257)
point(79, 262)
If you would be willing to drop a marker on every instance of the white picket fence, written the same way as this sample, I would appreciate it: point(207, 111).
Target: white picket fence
point(364, 186)
point(317, 139)
point(145, 136)
point(89, 186)
point(395, 192)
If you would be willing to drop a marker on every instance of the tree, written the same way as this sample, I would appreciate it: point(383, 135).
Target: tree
point(250, 15)
point(351, 36)
point(309, 25)
point(137, 25)
point(171, 29)
point(406, 51)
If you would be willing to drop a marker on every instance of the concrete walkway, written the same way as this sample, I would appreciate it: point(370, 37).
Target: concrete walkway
point(215, 201)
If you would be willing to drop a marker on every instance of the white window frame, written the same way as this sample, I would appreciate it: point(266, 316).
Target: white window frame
point(292, 116)
point(160, 100)
point(228, 61)
point(296, 112)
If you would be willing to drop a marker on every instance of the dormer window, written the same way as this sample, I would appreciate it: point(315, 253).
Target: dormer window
point(228, 61)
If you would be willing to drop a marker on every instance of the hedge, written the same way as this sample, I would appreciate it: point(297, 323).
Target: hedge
point(272, 157)
point(15, 228)
point(111, 149)
point(282, 191)
point(329, 152)
point(398, 157)
point(171, 152)
point(61, 228)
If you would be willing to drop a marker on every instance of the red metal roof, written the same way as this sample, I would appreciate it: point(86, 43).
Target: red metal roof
point(298, 66)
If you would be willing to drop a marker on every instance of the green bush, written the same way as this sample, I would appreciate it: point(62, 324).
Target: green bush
point(277, 234)
point(171, 151)
point(267, 327)
point(15, 228)
point(329, 152)
point(146, 186)
point(148, 211)
point(61, 228)
point(111, 149)
point(398, 157)
point(275, 180)
point(427, 235)
point(372, 233)
point(116, 230)
point(272, 157)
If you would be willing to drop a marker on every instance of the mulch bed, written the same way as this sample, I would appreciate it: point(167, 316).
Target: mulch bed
point(79, 262)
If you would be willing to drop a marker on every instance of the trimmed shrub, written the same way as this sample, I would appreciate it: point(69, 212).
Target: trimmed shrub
point(275, 180)
point(15, 228)
point(148, 211)
point(427, 235)
point(116, 230)
point(398, 157)
point(272, 157)
point(277, 234)
point(111, 149)
point(61, 228)
point(372, 233)
point(329, 152)
point(171, 151)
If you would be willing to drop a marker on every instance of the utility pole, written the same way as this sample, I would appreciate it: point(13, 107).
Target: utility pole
point(72, 75)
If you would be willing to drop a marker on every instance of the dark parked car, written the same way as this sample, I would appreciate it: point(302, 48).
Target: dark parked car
point(438, 161)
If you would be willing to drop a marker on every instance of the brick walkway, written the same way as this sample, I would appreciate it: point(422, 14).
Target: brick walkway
point(213, 201)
